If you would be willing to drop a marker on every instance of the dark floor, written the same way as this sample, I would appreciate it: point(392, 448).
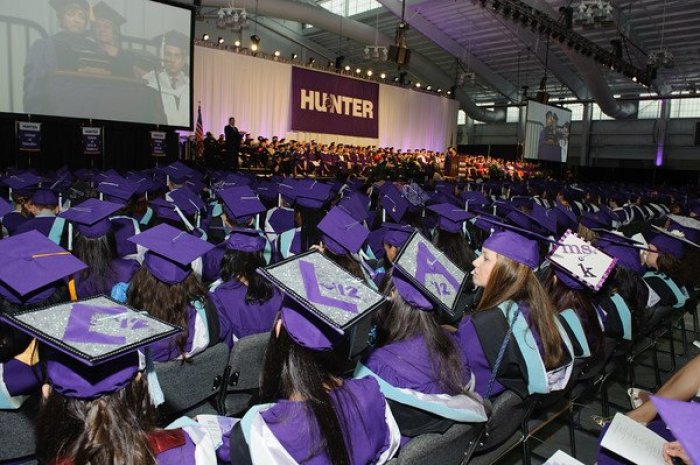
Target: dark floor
point(556, 435)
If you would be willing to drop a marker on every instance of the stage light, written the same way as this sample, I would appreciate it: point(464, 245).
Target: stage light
point(277, 53)
point(237, 43)
point(294, 56)
point(634, 78)
point(205, 37)
point(358, 70)
point(254, 47)
point(383, 75)
point(449, 92)
point(369, 73)
point(221, 40)
point(418, 84)
point(439, 91)
point(429, 88)
point(312, 60)
point(347, 67)
point(254, 42)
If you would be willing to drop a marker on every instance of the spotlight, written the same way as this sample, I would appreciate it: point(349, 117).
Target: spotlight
point(294, 56)
point(383, 75)
point(312, 60)
point(221, 40)
point(237, 43)
point(369, 73)
point(429, 88)
point(347, 67)
point(418, 84)
point(254, 42)
point(449, 92)
point(205, 37)
point(254, 47)
point(439, 91)
point(277, 53)
point(358, 70)
point(634, 78)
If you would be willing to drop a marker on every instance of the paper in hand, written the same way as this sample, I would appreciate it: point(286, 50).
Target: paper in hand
point(634, 441)
point(562, 458)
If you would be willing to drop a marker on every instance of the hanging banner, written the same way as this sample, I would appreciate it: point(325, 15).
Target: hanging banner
point(158, 143)
point(92, 141)
point(28, 136)
point(331, 104)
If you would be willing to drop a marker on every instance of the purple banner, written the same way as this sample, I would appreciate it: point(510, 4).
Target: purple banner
point(29, 136)
point(92, 141)
point(331, 104)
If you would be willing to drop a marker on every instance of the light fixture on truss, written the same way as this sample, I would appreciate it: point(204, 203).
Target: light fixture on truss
point(232, 18)
point(376, 53)
point(592, 13)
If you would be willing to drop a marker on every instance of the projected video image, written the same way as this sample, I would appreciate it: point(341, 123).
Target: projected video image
point(547, 132)
point(123, 60)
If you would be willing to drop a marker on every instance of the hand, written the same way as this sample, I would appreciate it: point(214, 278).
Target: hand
point(674, 449)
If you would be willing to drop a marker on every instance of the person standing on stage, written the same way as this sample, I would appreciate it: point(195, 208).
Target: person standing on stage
point(233, 142)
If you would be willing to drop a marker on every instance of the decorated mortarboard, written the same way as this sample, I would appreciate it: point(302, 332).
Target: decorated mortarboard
point(241, 202)
point(32, 261)
point(245, 240)
point(341, 233)
point(325, 303)
point(393, 202)
point(582, 261)
point(44, 197)
point(170, 252)
point(93, 343)
point(116, 188)
point(683, 420)
point(91, 216)
point(104, 11)
point(415, 194)
point(433, 273)
point(451, 217)
point(5, 207)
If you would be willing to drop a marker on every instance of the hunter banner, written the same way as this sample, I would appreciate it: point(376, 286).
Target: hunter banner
point(158, 144)
point(28, 136)
point(92, 141)
point(332, 104)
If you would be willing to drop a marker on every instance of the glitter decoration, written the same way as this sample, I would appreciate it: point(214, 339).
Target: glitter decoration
point(94, 329)
point(323, 287)
point(431, 271)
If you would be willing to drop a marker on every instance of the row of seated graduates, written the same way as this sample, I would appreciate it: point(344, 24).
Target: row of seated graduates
point(396, 202)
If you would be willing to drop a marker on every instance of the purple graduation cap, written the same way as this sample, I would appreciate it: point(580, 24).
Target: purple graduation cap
point(31, 263)
point(310, 194)
point(91, 217)
point(451, 218)
point(245, 240)
point(44, 197)
point(393, 202)
point(671, 242)
point(428, 270)
point(514, 246)
point(241, 203)
point(626, 250)
point(165, 210)
point(342, 233)
point(410, 294)
point(355, 205)
point(93, 343)
point(186, 200)
point(595, 220)
point(116, 189)
point(170, 252)
point(683, 419)
point(396, 234)
point(324, 304)
point(688, 227)
point(22, 181)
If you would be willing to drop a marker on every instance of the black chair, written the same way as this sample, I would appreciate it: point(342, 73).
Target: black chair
point(194, 386)
point(243, 373)
point(446, 449)
point(17, 437)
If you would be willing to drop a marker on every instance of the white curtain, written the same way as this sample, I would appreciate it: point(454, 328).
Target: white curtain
point(257, 93)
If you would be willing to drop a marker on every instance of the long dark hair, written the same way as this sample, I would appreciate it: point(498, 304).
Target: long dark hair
point(511, 280)
point(237, 264)
point(165, 301)
point(111, 429)
point(308, 219)
point(98, 253)
point(676, 268)
point(631, 287)
point(563, 298)
point(290, 369)
point(346, 262)
point(399, 321)
point(456, 248)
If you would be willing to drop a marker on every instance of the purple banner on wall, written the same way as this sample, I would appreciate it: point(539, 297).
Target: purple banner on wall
point(28, 136)
point(92, 141)
point(330, 104)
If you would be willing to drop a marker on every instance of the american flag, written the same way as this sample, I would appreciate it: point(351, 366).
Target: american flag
point(199, 132)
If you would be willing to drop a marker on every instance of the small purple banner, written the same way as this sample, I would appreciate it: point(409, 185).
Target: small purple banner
point(28, 136)
point(158, 143)
point(92, 141)
point(330, 104)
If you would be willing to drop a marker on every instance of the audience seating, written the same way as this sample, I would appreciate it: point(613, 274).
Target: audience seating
point(243, 373)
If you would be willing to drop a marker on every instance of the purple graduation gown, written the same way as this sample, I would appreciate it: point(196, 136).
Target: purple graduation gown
point(43, 224)
point(123, 229)
point(122, 272)
point(12, 221)
point(19, 379)
point(166, 349)
point(182, 455)
point(365, 427)
point(238, 318)
point(474, 357)
point(211, 263)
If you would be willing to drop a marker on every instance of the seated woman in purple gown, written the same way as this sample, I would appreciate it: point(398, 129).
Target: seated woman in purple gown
point(167, 288)
point(316, 417)
point(668, 267)
point(514, 318)
point(94, 244)
point(101, 413)
point(418, 365)
point(246, 302)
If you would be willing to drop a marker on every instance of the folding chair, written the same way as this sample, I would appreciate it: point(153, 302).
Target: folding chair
point(243, 372)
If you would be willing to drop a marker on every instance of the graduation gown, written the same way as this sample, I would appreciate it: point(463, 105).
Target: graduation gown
point(202, 332)
point(239, 318)
point(281, 433)
point(12, 221)
point(122, 270)
point(18, 381)
point(670, 293)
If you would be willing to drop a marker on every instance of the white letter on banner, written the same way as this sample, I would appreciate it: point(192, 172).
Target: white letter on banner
point(367, 109)
point(307, 100)
point(337, 104)
point(318, 102)
point(357, 108)
point(347, 102)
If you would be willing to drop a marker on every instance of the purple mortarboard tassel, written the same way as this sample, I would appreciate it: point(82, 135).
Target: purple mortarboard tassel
point(515, 247)
point(411, 295)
